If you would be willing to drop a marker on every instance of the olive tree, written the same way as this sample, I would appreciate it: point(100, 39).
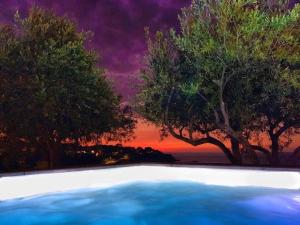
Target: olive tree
point(197, 82)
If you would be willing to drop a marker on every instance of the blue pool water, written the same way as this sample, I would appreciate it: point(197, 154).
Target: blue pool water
point(175, 203)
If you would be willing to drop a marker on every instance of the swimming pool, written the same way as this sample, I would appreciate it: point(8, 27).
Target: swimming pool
point(155, 195)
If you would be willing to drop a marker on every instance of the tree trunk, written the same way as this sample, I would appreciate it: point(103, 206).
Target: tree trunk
point(235, 146)
point(50, 158)
point(238, 137)
point(50, 155)
point(275, 151)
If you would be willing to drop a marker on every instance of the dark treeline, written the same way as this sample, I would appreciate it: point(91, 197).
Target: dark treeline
point(112, 154)
point(72, 155)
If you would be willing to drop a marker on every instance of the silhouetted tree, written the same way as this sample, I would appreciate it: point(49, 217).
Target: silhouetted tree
point(50, 87)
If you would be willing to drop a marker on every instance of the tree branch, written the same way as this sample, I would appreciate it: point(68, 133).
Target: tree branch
point(261, 149)
point(196, 142)
point(265, 151)
point(286, 126)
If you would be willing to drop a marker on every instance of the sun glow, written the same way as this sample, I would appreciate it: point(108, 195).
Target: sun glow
point(146, 134)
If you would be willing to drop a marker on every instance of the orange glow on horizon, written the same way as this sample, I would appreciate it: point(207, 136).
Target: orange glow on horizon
point(148, 135)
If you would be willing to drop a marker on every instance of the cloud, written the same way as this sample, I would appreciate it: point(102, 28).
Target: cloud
point(118, 27)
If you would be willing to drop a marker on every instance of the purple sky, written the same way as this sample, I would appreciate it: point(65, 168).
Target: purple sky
point(118, 27)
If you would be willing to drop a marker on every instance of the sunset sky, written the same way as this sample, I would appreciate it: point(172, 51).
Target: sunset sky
point(118, 27)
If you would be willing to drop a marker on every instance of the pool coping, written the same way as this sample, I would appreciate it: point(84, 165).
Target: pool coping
point(34, 183)
point(229, 167)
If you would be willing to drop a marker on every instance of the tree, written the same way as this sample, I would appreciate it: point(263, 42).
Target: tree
point(276, 105)
point(197, 82)
point(51, 88)
point(274, 89)
point(166, 101)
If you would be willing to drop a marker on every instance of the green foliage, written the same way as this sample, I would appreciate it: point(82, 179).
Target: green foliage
point(51, 88)
point(242, 54)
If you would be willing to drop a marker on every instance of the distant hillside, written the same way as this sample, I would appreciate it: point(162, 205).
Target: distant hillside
point(111, 155)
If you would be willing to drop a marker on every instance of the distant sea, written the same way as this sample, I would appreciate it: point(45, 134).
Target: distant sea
point(213, 157)
point(201, 157)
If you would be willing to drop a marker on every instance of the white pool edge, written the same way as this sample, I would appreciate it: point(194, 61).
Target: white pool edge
point(12, 187)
